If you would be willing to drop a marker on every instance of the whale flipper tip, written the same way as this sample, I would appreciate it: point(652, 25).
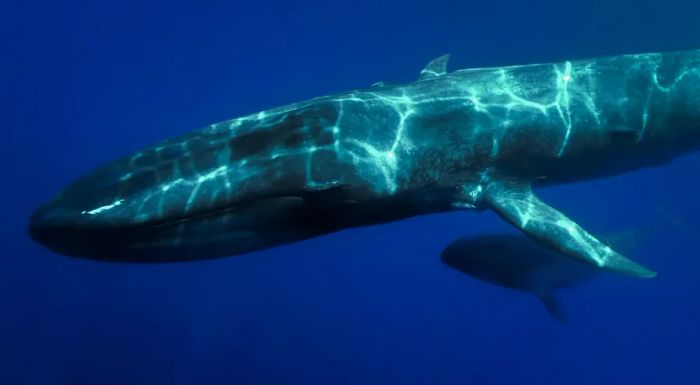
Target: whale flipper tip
point(516, 203)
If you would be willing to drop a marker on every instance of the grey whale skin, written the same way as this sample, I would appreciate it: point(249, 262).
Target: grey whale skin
point(518, 263)
point(468, 139)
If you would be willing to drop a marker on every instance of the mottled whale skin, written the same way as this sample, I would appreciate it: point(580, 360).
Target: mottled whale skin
point(468, 139)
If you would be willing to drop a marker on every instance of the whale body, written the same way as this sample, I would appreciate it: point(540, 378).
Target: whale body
point(469, 139)
point(516, 262)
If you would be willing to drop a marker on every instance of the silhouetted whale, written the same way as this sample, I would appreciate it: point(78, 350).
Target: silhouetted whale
point(517, 262)
point(474, 138)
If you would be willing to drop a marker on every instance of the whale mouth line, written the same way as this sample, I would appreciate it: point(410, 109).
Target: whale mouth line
point(146, 242)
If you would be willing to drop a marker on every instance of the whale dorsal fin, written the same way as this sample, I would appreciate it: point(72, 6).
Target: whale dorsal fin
point(516, 203)
point(435, 68)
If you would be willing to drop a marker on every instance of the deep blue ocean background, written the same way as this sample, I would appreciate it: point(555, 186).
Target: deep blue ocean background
point(85, 82)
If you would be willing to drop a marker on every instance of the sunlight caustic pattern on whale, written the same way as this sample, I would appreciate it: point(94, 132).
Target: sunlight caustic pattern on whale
point(442, 142)
point(500, 95)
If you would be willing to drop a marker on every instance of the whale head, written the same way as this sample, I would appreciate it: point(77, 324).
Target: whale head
point(234, 187)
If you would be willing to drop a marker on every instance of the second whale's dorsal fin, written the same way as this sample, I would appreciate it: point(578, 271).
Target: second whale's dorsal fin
point(435, 68)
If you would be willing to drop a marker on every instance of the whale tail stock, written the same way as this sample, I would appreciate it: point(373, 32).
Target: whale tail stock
point(517, 204)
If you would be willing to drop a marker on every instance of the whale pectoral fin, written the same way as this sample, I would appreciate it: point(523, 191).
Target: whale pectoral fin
point(518, 205)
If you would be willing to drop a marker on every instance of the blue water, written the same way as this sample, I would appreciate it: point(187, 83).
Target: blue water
point(85, 82)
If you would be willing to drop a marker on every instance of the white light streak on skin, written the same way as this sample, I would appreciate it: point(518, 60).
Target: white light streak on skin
point(672, 86)
point(517, 101)
point(386, 164)
point(103, 208)
point(400, 130)
point(193, 195)
point(336, 129)
point(645, 116)
point(590, 105)
point(495, 148)
point(309, 158)
point(563, 104)
point(126, 177)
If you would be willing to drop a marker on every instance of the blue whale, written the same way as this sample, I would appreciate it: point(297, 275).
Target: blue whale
point(516, 262)
point(469, 139)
